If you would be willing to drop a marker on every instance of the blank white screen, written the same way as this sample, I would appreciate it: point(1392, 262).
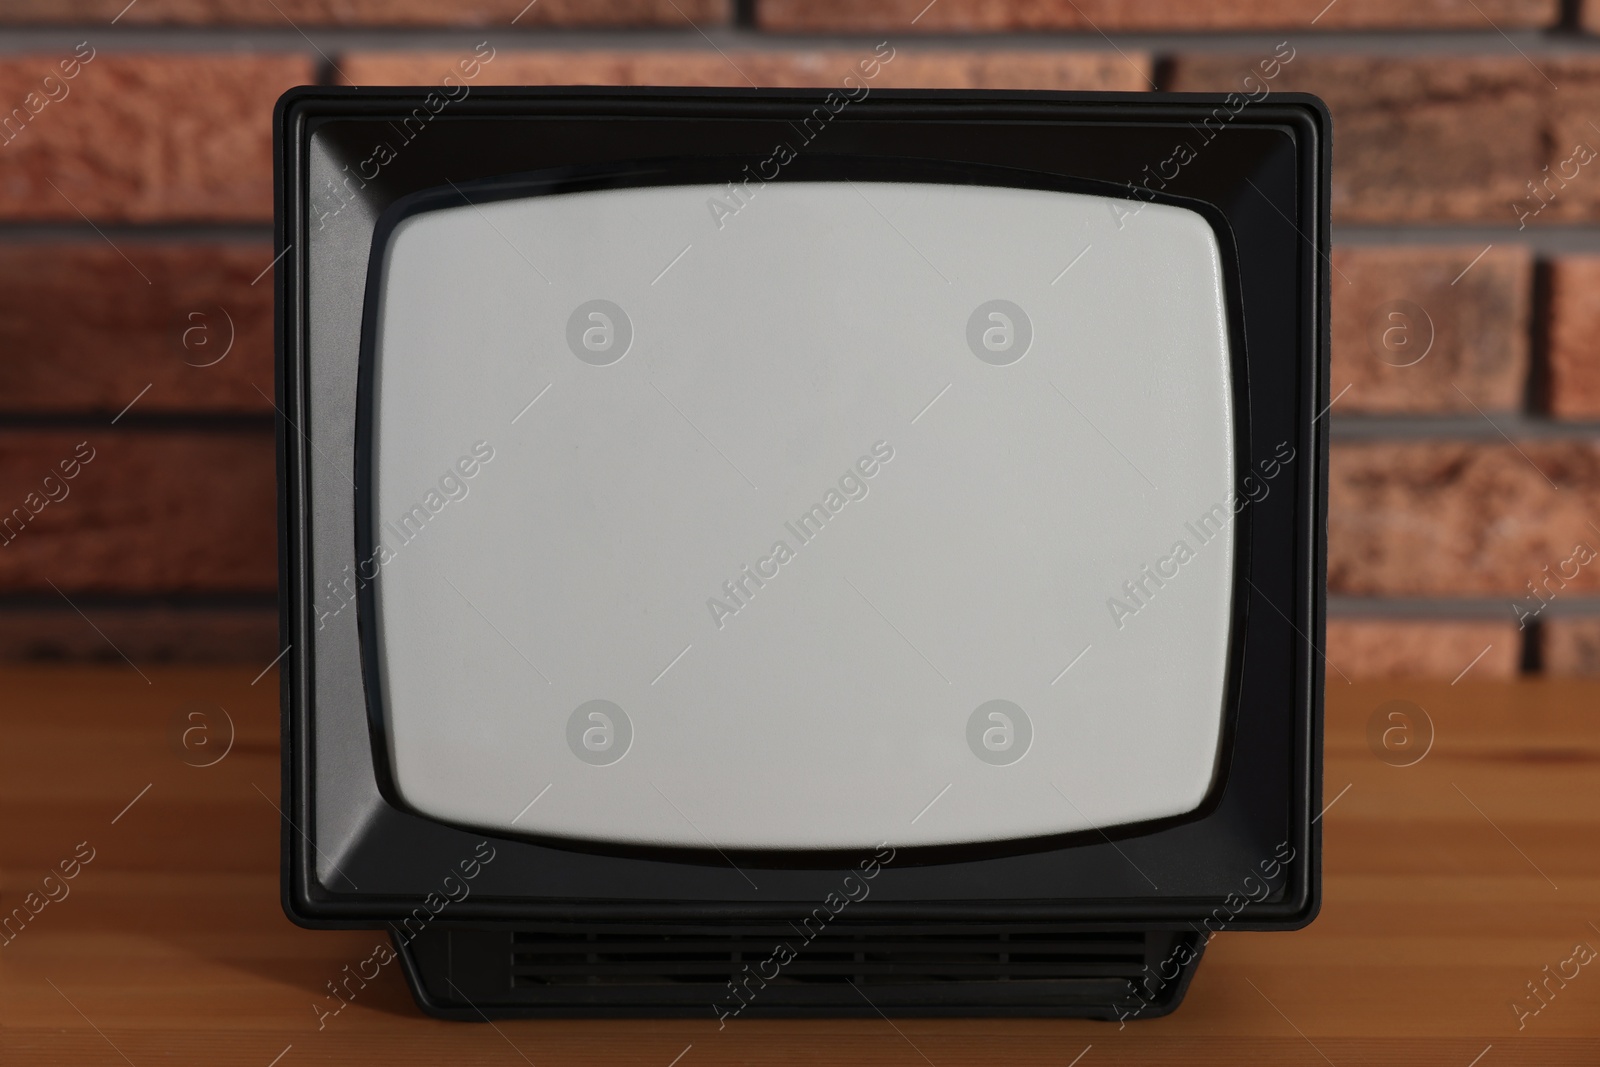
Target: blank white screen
point(768, 355)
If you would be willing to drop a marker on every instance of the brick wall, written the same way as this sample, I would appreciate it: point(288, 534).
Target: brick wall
point(135, 300)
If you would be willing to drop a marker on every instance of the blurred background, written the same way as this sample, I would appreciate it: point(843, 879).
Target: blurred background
point(137, 495)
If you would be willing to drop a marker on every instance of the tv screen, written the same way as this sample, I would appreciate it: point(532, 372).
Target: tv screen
point(682, 517)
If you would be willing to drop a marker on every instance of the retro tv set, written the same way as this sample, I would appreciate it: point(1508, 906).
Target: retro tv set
point(769, 552)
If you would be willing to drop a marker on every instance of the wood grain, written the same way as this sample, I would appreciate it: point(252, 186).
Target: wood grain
point(1449, 885)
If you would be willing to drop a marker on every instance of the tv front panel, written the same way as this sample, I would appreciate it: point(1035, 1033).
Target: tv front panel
point(892, 554)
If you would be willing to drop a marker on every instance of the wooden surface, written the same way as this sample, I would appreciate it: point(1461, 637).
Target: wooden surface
point(1450, 884)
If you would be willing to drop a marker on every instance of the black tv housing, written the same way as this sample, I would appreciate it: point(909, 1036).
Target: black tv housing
point(1106, 924)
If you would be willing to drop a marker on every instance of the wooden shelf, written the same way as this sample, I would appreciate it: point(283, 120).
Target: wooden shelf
point(1449, 885)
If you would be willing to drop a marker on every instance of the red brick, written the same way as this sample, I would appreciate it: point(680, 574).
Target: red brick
point(1448, 518)
point(142, 137)
point(1413, 333)
point(1566, 186)
point(150, 513)
point(1426, 140)
point(144, 635)
point(1571, 646)
point(86, 332)
point(906, 69)
point(965, 16)
point(1574, 337)
point(487, 13)
point(1422, 648)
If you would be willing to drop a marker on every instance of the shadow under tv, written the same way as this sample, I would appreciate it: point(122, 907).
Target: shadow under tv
point(800, 552)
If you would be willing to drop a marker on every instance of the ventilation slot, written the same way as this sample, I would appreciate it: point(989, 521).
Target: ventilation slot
point(553, 958)
point(844, 968)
